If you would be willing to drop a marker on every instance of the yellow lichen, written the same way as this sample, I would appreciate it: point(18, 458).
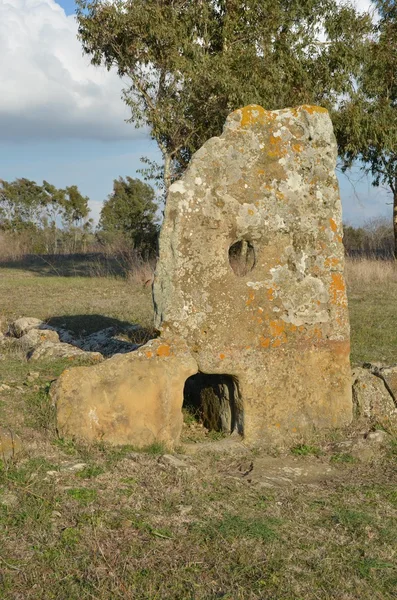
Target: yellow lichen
point(252, 114)
point(333, 225)
point(338, 290)
point(251, 298)
point(264, 342)
point(311, 109)
point(163, 350)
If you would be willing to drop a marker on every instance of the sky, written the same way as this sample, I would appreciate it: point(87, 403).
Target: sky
point(63, 120)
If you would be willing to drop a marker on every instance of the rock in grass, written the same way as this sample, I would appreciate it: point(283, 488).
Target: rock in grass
point(49, 349)
point(21, 326)
point(33, 338)
point(10, 444)
point(372, 399)
point(132, 399)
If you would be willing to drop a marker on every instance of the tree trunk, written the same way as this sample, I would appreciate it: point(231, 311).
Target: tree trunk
point(167, 173)
point(395, 221)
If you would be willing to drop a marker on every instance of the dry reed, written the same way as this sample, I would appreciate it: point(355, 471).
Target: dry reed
point(367, 271)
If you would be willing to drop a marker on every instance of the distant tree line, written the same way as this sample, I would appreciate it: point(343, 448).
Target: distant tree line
point(44, 219)
point(374, 239)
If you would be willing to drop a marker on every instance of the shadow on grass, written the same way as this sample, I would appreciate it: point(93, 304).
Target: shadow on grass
point(71, 265)
point(97, 333)
point(81, 325)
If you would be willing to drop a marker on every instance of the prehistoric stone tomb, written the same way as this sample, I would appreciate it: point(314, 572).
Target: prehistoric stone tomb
point(249, 296)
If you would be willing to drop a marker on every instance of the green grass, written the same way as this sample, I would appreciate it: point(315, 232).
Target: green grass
point(372, 296)
point(305, 450)
point(129, 526)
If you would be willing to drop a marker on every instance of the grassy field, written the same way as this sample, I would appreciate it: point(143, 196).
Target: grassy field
point(81, 522)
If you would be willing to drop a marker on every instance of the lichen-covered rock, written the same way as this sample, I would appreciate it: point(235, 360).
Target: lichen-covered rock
point(47, 349)
point(21, 326)
point(251, 269)
point(34, 337)
point(372, 400)
point(389, 376)
point(10, 444)
point(129, 399)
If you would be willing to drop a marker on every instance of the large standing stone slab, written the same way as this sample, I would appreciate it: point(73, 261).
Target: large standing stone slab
point(251, 269)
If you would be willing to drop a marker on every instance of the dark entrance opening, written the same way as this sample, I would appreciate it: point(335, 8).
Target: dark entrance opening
point(242, 257)
point(215, 401)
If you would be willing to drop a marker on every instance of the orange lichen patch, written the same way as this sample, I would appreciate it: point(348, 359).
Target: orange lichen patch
point(331, 262)
point(259, 320)
point(293, 327)
point(294, 430)
point(338, 290)
point(339, 238)
point(264, 342)
point(277, 327)
point(279, 195)
point(313, 109)
point(251, 212)
point(252, 114)
point(261, 171)
point(334, 226)
point(276, 147)
point(222, 356)
point(317, 333)
point(278, 425)
point(164, 350)
point(297, 147)
point(260, 310)
point(270, 294)
point(149, 354)
point(276, 343)
point(251, 298)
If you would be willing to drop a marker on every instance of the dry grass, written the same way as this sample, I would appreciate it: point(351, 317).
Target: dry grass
point(368, 272)
point(372, 294)
point(130, 526)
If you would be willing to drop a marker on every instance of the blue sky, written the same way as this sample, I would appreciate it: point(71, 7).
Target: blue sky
point(64, 120)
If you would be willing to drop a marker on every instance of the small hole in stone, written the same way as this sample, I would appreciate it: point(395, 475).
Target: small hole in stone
point(242, 257)
point(214, 401)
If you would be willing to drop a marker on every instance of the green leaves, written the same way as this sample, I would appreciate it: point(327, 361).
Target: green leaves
point(130, 210)
point(190, 63)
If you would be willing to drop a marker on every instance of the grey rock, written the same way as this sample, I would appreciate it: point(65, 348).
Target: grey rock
point(21, 326)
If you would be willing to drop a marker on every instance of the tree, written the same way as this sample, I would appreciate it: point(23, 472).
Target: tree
point(131, 211)
point(76, 208)
point(43, 209)
point(368, 117)
point(189, 63)
point(20, 204)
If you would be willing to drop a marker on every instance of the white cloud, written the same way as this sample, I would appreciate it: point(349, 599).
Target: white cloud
point(48, 89)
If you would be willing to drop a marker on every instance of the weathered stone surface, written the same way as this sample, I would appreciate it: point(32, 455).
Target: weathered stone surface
point(48, 349)
point(372, 400)
point(35, 337)
point(129, 399)
point(251, 269)
point(21, 326)
point(10, 444)
point(389, 376)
